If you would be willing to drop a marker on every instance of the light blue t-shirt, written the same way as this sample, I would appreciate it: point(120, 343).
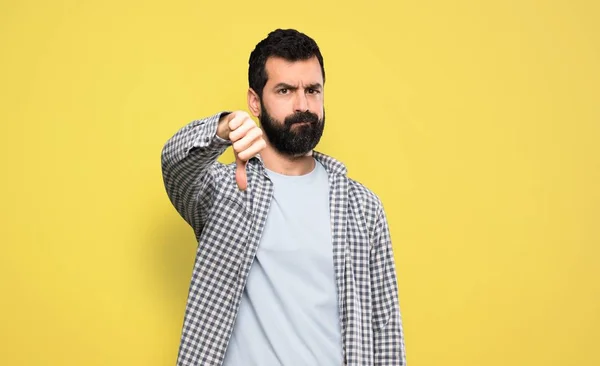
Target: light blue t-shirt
point(289, 310)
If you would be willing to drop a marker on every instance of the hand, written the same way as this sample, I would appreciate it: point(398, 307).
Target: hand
point(247, 140)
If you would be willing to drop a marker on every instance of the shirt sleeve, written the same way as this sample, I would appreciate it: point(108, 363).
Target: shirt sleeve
point(388, 335)
point(188, 161)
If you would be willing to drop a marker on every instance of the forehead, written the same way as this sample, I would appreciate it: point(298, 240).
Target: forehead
point(280, 70)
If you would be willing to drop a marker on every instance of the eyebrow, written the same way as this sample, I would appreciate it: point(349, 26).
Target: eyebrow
point(316, 86)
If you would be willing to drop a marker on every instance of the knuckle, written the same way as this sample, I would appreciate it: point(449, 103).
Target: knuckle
point(238, 146)
point(232, 125)
point(243, 155)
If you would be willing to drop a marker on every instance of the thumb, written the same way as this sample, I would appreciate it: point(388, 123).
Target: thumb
point(240, 174)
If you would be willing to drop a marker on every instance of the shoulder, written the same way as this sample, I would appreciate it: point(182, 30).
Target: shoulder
point(361, 197)
point(364, 199)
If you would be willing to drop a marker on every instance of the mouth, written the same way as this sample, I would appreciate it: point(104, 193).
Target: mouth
point(301, 123)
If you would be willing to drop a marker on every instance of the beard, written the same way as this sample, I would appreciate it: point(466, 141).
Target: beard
point(297, 135)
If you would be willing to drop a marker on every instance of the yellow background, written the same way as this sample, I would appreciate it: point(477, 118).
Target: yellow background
point(476, 122)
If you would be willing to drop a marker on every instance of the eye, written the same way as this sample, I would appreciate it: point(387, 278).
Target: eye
point(283, 91)
point(312, 91)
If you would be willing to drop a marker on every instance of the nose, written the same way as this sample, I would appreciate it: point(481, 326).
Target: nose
point(300, 103)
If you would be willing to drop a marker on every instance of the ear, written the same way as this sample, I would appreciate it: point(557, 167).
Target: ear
point(253, 102)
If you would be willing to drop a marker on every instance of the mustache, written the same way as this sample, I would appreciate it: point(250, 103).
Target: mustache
point(301, 117)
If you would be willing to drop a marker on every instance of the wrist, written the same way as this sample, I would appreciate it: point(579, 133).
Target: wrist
point(223, 126)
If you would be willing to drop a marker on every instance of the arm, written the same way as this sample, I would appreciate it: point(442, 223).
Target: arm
point(187, 160)
point(388, 336)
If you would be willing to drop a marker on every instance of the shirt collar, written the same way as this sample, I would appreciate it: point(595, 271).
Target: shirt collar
point(332, 165)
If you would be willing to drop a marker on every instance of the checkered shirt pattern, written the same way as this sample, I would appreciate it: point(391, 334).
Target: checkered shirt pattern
point(228, 224)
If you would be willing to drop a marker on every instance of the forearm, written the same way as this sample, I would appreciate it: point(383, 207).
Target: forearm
point(187, 159)
point(389, 348)
point(388, 334)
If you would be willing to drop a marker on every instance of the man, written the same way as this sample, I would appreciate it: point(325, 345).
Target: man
point(294, 264)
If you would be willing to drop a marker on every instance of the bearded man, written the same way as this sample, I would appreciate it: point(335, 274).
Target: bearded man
point(294, 264)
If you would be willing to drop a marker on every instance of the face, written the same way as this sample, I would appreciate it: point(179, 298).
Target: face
point(291, 110)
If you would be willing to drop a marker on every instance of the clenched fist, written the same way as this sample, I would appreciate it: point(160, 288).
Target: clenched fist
point(247, 141)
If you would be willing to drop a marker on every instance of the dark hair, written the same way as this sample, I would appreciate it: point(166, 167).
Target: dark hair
point(288, 44)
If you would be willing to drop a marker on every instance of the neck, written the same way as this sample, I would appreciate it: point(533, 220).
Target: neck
point(285, 164)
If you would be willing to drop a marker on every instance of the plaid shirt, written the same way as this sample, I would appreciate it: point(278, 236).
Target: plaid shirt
point(228, 224)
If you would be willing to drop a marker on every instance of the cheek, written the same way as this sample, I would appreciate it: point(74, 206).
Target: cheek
point(316, 105)
point(280, 109)
point(317, 109)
